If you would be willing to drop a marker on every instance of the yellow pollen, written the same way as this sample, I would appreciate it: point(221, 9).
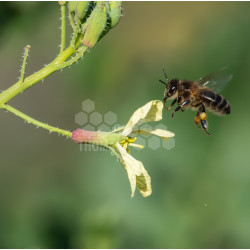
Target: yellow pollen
point(203, 116)
point(122, 142)
point(130, 140)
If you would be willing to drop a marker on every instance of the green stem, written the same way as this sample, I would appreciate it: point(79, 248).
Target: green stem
point(26, 53)
point(71, 20)
point(74, 59)
point(17, 88)
point(76, 32)
point(35, 122)
point(63, 28)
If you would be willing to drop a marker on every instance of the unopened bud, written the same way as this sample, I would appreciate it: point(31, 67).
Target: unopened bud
point(115, 12)
point(62, 2)
point(72, 5)
point(96, 137)
point(95, 25)
point(81, 9)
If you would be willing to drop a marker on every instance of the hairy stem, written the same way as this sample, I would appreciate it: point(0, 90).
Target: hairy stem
point(71, 20)
point(29, 81)
point(35, 122)
point(76, 32)
point(67, 56)
point(74, 59)
point(26, 53)
point(63, 28)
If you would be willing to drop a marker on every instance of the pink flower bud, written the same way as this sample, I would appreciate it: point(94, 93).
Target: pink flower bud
point(80, 135)
point(96, 137)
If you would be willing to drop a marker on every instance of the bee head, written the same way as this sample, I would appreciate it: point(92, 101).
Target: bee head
point(171, 89)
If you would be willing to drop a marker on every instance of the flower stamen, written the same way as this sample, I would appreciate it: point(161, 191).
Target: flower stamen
point(136, 145)
point(129, 141)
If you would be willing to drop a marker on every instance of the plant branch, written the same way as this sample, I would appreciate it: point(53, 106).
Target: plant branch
point(36, 122)
point(76, 32)
point(29, 81)
point(71, 20)
point(86, 33)
point(63, 28)
point(74, 59)
point(26, 53)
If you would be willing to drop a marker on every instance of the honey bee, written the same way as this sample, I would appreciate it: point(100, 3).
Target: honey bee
point(200, 95)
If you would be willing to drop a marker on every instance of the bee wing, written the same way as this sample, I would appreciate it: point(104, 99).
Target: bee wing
point(215, 81)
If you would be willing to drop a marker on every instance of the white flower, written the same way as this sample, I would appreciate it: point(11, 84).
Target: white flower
point(118, 143)
point(137, 174)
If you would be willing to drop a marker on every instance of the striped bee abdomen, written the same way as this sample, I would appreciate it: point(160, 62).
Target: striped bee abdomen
point(215, 102)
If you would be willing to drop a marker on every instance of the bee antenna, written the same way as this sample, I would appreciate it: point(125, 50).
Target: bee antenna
point(165, 74)
point(162, 82)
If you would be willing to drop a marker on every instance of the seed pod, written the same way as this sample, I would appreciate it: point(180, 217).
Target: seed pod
point(115, 12)
point(95, 25)
point(81, 8)
point(72, 5)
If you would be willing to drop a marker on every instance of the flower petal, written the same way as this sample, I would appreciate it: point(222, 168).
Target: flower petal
point(143, 183)
point(137, 174)
point(129, 160)
point(152, 111)
point(164, 134)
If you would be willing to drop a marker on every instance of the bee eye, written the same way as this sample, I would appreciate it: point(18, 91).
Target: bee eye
point(172, 89)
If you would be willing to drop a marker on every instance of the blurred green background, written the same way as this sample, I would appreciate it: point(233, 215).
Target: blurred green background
point(52, 195)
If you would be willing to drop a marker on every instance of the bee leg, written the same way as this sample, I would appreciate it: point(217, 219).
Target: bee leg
point(183, 104)
point(202, 108)
point(165, 102)
point(204, 126)
point(180, 106)
point(197, 119)
point(172, 104)
point(203, 118)
point(177, 109)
